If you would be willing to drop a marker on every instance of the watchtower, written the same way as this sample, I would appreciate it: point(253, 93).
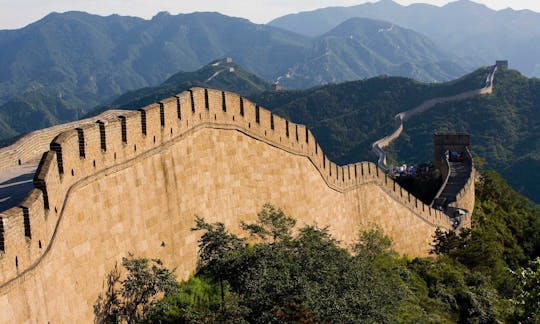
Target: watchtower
point(276, 86)
point(501, 64)
point(449, 141)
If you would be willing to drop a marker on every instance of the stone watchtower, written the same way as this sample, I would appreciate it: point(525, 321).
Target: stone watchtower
point(458, 142)
point(502, 64)
point(452, 156)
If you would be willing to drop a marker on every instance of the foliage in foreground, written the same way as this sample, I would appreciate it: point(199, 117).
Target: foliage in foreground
point(488, 274)
point(132, 298)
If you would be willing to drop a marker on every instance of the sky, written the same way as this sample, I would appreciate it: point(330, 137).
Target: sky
point(18, 13)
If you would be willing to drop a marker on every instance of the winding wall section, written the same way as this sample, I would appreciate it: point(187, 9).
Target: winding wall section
point(133, 182)
point(379, 145)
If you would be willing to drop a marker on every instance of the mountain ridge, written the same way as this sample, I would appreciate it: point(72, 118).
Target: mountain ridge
point(467, 29)
point(75, 61)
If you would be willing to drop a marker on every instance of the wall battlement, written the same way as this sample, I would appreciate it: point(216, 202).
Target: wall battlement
point(111, 143)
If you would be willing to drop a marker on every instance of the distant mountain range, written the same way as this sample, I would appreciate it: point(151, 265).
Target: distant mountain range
point(78, 60)
point(464, 28)
point(87, 59)
point(360, 47)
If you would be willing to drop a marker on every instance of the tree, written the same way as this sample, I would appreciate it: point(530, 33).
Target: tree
point(271, 222)
point(528, 292)
point(130, 299)
point(373, 242)
point(215, 248)
point(446, 242)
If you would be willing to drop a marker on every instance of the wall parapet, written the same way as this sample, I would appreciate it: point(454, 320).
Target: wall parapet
point(112, 139)
point(30, 147)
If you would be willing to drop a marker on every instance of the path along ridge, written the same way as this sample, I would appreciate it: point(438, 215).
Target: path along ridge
point(400, 118)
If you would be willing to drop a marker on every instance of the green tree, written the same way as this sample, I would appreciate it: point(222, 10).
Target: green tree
point(216, 247)
point(446, 242)
point(130, 299)
point(528, 292)
point(373, 242)
point(271, 222)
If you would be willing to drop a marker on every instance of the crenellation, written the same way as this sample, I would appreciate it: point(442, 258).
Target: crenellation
point(116, 148)
point(279, 129)
point(223, 102)
point(184, 100)
point(94, 156)
point(170, 114)
point(154, 130)
point(16, 244)
point(265, 121)
point(47, 174)
point(66, 147)
point(199, 101)
point(41, 229)
point(249, 115)
point(232, 102)
point(301, 139)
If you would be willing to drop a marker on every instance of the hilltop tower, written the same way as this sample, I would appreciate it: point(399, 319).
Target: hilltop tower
point(453, 158)
point(449, 141)
point(501, 64)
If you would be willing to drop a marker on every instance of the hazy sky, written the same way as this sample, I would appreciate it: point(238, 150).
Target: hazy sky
point(18, 13)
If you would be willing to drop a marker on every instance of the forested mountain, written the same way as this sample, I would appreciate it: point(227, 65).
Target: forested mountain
point(221, 74)
point(32, 111)
point(505, 129)
point(87, 59)
point(347, 118)
point(361, 47)
point(60, 67)
point(465, 28)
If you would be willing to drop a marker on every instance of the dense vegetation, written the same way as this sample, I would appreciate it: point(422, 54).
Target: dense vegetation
point(484, 275)
point(505, 130)
point(347, 118)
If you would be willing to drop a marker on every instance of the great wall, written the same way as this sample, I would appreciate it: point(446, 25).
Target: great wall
point(379, 145)
point(133, 181)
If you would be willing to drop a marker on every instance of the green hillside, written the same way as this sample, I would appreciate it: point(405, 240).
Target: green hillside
point(219, 74)
point(347, 118)
point(31, 111)
point(359, 48)
point(505, 129)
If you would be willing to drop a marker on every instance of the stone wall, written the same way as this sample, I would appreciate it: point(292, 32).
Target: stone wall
point(466, 197)
point(32, 145)
point(134, 181)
